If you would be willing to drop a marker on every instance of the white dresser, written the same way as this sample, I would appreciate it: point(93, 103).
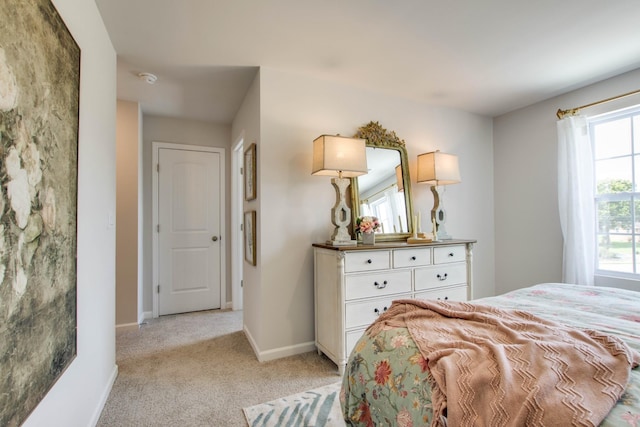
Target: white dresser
point(354, 285)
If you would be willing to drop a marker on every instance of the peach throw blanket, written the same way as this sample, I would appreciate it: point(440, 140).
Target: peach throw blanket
point(496, 367)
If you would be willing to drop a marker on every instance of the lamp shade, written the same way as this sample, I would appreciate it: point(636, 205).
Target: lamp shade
point(339, 156)
point(399, 179)
point(438, 168)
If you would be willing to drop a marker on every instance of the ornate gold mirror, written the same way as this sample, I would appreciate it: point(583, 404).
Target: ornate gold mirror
point(385, 191)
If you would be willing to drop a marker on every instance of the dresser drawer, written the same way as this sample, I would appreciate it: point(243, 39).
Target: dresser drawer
point(364, 313)
point(438, 276)
point(414, 257)
point(456, 293)
point(366, 261)
point(352, 339)
point(447, 254)
point(377, 284)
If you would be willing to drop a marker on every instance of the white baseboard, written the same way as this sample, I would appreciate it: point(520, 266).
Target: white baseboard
point(252, 343)
point(104, 397)
point(145, 315)
point(127, 326)
point(278, 353)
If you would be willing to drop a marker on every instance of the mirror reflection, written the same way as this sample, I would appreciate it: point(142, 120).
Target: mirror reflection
point(381, 190)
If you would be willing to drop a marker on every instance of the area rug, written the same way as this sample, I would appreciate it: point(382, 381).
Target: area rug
point(318, 407)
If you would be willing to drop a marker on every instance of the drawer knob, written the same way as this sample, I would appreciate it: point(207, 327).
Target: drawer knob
point(450, 254)
point(442, 277)
point(379, 286)
point(445, 298)
point(369, 261)
point(413, 258)
point(377, 311)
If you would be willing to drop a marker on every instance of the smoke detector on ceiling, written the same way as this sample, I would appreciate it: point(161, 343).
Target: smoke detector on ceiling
point(148, 77)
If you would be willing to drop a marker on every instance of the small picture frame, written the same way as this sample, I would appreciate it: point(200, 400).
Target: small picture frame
point(250, 172)
point(250, 237)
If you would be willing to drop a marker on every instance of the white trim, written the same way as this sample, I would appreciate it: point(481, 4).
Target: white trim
point(145, 315)
point(141, 220)
point(103, 398)
point(252, 342)
point(237, 198)
point(292, 350)
point(131, 326)
point(156, 146)
point(611, 281)
point(278, 353)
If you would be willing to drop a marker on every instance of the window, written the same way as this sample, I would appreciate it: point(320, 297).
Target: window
point(388, 206)
point(616, 144)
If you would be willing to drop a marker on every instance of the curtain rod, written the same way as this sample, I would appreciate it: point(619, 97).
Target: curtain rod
point(562, 113)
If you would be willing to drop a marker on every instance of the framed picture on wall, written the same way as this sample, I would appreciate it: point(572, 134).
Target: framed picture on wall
point(40, 97)
point(250, 172)
point(250, 237)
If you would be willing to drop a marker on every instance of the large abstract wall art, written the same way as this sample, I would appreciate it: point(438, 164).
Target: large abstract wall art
point(39, 106)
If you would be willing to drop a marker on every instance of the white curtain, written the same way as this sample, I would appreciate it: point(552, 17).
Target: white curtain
point(576, 200)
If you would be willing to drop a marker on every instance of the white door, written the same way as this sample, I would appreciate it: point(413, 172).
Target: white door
point(189, 231)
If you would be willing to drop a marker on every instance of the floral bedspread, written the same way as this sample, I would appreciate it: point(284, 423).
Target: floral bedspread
point(385, 382)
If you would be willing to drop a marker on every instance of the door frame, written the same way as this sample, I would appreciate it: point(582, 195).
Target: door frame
point(237, 242)
point(156, 147)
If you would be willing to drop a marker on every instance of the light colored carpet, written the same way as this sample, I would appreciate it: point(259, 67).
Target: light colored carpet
point(198, 369)
point(319, 407)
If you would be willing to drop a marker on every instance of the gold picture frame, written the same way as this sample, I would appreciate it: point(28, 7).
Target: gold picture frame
point(250, 237)
point(250, 173)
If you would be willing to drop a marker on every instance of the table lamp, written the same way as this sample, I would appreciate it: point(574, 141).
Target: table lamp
point(437, 169)
point(343, 158)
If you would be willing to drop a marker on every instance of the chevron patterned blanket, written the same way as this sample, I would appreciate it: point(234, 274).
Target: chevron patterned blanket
point(509, 367)
point(483, 365)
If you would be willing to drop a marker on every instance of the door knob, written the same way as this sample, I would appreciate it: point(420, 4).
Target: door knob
point(214, 238)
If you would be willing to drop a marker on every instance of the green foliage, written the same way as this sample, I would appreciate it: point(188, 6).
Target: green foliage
point(614, 186)
point(615, 214)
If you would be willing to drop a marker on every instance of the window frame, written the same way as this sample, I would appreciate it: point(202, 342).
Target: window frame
point(633, 197)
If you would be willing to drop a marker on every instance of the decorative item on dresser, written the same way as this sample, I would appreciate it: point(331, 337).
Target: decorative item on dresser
point(368, 238)
point(354, 285)
point(385, 190)
point(366, 227)
point(438, 169)
point(343, 158)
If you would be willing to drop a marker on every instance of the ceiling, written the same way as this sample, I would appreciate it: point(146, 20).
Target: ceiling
point(486, 57)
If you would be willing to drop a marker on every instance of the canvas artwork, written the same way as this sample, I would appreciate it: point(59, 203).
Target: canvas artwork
point(39, 105)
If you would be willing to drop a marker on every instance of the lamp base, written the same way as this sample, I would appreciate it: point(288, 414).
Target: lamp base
point(342, 242)
point(439, 217)
point(341, 215)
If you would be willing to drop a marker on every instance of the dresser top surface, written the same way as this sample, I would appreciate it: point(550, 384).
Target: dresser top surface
point(393, 245)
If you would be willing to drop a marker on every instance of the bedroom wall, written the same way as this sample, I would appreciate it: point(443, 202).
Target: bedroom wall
point(246, 125)
point(528, 235)
point(294, 207)
point(128, 117)
point(179, 131)
point(77, 398)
